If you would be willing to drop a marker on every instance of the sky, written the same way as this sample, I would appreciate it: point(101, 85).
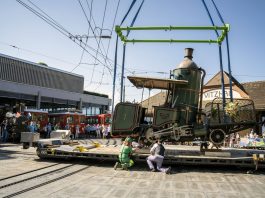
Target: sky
point(26, 36)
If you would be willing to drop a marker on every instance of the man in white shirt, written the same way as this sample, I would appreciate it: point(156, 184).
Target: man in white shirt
point(157, 157)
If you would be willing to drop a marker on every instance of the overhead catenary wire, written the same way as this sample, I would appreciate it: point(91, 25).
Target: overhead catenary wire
point(107, 58)
point(98, 71)
point(42, 17)
point(53, 24)
point(81, 58)
point(98, 42)
point(109, 41)
point(112, 29)
point(36, 53)
point(83, 51)
point(67, 34)
point(115, 16)
point(102, 24)
point(90, 26)
point(54, 21)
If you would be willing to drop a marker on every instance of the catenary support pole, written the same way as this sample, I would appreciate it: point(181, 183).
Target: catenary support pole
point(115, 59)
point(114, 75)
point(122, 94)
point(122, 71)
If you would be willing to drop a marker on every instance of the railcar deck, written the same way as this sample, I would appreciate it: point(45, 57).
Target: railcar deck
point(175, 154)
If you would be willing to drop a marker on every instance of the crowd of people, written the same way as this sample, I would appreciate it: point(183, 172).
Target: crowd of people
point(78, 131)
point(233, 140)
point(5, 131)
point(97, 131)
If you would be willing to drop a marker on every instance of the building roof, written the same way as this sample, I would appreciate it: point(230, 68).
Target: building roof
point(95, 94)
point(216, 81)
point(256, 91)
point(41, 64)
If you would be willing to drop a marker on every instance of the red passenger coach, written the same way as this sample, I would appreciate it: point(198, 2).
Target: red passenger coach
point(104, 119)
point(100, 119)
point(92, 120)
point(73, 119)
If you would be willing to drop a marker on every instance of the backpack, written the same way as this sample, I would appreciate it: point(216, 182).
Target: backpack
point(160, 150)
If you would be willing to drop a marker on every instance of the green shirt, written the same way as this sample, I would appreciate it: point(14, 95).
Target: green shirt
point(124, 154)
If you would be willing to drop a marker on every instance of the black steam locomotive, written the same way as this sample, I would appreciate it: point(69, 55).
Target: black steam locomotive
point(181, 117)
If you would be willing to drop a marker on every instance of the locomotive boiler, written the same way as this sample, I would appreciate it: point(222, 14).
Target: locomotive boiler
point(181, 117)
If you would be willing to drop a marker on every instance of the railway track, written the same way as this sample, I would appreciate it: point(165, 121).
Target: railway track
point(28, 172)
point(21, 183)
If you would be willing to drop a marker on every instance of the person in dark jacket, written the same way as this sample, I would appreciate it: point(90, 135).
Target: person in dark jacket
point(157, 157)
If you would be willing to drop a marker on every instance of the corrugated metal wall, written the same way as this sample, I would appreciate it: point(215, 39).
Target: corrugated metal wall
point(26, 73)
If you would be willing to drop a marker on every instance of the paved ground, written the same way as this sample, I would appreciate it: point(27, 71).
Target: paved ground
point(98, 179)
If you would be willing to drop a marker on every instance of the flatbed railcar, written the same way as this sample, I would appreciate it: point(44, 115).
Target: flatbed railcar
point(99, 149)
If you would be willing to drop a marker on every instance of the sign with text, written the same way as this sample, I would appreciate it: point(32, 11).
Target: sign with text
point(217, 93)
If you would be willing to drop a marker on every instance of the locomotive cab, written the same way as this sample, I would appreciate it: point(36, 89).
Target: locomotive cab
point(128, 119)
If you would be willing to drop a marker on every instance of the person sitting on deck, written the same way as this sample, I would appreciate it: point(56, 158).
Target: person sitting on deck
point(125, 153)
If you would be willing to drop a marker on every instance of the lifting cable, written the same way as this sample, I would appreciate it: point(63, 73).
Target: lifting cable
point(228, 53)
point(220, 56)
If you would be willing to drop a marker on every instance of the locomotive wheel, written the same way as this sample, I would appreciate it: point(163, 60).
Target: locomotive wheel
point(217, 136)
point(149, 134)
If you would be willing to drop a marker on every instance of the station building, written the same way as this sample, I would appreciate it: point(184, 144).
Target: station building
point(212, 89)
point(38, 86)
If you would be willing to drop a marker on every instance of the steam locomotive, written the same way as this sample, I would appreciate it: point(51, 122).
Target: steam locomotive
point(181, 117)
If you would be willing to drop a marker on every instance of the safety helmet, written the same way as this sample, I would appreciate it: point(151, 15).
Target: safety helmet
point(128, 139)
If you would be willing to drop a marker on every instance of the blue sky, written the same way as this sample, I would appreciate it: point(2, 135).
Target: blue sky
point(34, 40)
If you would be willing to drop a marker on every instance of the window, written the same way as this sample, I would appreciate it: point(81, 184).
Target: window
point(70, 120)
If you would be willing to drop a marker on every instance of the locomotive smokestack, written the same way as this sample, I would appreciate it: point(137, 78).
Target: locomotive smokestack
point(188, 62)
point(188, 53)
